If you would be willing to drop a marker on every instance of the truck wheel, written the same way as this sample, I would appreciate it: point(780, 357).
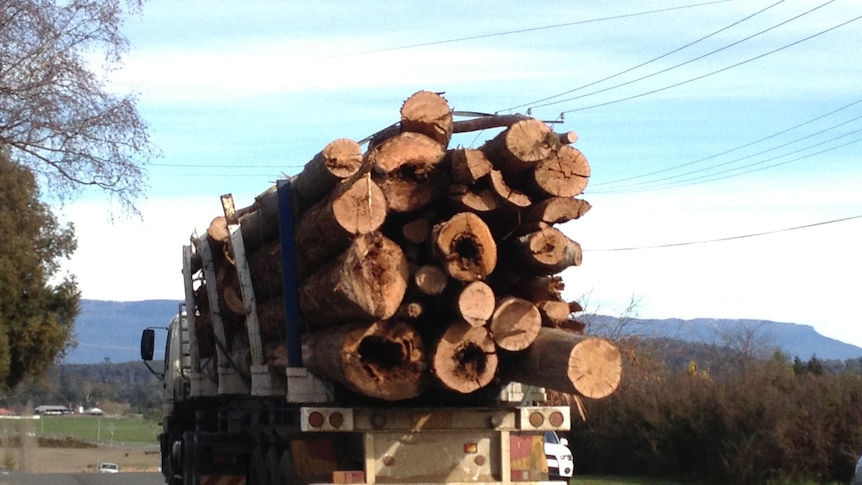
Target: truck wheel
point(257, 468)
point(190, 458)
point(284, 473)
point(272, 458)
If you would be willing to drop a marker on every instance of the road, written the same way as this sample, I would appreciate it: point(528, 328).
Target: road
point(81, 478)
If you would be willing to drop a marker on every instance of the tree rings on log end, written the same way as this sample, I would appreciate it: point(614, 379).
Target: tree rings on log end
point(515, 323)
point(465, 359)
point(595, 368)
point(465, 247)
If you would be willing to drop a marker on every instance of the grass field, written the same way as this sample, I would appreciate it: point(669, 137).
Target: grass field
point(128, 430)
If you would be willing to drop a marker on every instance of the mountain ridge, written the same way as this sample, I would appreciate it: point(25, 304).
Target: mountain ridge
point(109, 331)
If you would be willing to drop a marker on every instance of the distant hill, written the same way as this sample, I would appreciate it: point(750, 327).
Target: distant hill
point(112, 330)
point(793, 339)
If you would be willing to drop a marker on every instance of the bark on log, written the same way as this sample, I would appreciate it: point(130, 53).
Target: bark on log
point(567, 138)
point(429, 114)
point(510, 197)
point(339, 160)
point(590, 367)
point(464, 358)
point(464, 247)
point(354, 208)
point(366, 282)
point(475, 303)
point(468, 165)
point(548, 251)
point(564, 175)
point(521, 146)
point(410, 170)
point(515, 323)
point(384, 359)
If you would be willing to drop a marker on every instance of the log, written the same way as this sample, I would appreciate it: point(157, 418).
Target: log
point(429, 114)
point(464, 247)
point(557, 210)
point(383, 360)
point(511, 198)
point(563, 361)
point(548, 251)
point(515, 323)
point(475, 303)
point(354, 208)
point(430, 279)
point(472, 199)
point(554, 312)
point(468, 165)
point(464, 358)
point(410, 170)
point(366, 282)
point(567, 138)
point(521, 146)
point(339, 160)
point(218, 232)
point(417, 230)
point(564, 175)
point(410, 310)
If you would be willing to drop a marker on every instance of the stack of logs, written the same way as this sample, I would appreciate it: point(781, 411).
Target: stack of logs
point(421, 267)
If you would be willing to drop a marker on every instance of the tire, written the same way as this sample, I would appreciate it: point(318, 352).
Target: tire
point(272, 462)
point(256, 468)
point(284, 469)
point(190, 459)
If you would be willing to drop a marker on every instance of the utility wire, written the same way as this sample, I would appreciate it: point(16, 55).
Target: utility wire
point(519, 31)
point(654, 59)
point(726, 68)
point(617, 189)
point(728, 46)
point(731, 150)
point(731, 238)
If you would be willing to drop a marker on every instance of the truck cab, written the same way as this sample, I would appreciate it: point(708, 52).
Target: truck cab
point(559, 456)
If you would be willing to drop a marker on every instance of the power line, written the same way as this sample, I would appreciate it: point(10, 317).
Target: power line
point(731, 150)
point(726, 68)
point(654, 59)
point(731, 238)
point(654, 183)
point(519, 31)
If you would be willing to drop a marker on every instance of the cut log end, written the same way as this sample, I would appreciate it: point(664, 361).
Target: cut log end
point(515, 324)
point(342, 157)
point(475, 303)
point(595, 368)
point(429, 114)
point(465, 247)
point(464, 359)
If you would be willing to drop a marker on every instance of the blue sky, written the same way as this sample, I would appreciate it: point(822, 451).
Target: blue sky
point(702, 121)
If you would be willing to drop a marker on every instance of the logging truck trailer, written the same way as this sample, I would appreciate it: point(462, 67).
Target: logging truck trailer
point(230, 417)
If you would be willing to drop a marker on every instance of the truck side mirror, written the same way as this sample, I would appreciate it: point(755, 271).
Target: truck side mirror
point(148, 344)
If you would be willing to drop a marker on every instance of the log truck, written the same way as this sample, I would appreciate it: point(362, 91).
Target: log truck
point(253, 399)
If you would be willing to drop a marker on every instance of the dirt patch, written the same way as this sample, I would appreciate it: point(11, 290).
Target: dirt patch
point(38, 459)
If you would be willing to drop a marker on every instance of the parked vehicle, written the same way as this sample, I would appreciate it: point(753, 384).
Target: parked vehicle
point(109, 468)
point(558, 455)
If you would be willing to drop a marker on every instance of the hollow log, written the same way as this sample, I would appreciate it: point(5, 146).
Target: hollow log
point(515, 323)
point(339, 160)
point(384, 359)
point(548, 251)
point(521, 146)
point(563, 361)
point(354, 208)
point(429, 114)
point(464, 247)
point(475, 303)
point(468, 165)
point(365, 283)
point(464, 358)
point(410, 170)
point(564, 175)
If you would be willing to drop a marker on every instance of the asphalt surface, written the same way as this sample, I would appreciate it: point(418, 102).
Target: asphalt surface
point(13, 478)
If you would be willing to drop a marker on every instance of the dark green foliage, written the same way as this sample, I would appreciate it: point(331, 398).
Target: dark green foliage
point(37, 309)
point(769, 424)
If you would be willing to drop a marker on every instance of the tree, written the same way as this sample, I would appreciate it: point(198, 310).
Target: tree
point(56, 111)
point(37, 306)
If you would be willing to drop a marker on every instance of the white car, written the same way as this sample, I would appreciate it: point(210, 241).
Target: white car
point(857, 475)
point(109, 468)
point(559, 456)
